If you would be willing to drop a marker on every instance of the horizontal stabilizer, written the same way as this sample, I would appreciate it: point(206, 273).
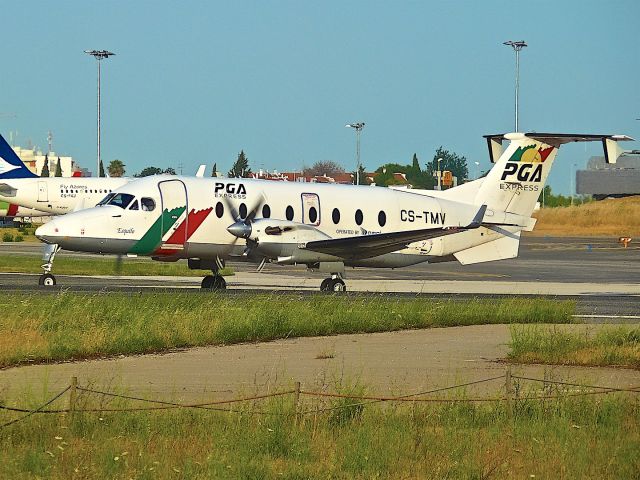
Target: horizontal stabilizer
point(609, 142)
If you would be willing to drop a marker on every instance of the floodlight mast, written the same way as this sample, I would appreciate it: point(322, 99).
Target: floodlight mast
point(517, 46)
point(358, 128)
point(99, 56)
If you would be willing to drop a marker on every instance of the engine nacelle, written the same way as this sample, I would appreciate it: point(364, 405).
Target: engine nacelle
point(280, 239)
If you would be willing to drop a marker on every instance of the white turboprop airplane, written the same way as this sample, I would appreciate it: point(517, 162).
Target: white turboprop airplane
point(51, 195)
point(327, 227)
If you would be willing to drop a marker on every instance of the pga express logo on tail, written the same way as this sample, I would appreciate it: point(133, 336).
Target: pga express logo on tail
point(525, 166)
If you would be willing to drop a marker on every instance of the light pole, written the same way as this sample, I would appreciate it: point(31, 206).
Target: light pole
point(358, 127)
point(517, 46)
point(477, 170)
point(99, 56)
point(438, 173)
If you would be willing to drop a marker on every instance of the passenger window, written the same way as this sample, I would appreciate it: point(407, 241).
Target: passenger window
point(313, 215)
point(219, 210)
point(148, 205)
point(266, 211)
point(335, 215)
point(243, 211)
point(134, 205)
point(359, 217)
point(289, 213)
point(382, 218)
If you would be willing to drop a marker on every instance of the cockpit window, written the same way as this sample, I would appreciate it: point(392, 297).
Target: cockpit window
point(148, 205)
point(121, 200)
point(106, 199)
point(134, 205)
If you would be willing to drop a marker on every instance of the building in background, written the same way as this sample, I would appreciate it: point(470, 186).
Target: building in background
point(34, 160)
point(602, 180)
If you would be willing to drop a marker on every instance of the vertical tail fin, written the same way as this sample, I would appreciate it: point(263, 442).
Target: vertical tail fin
point(10, 164)
point(520, 173)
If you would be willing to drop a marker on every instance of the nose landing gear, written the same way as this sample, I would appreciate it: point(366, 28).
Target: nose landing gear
point(47, 279)
point(215, 281)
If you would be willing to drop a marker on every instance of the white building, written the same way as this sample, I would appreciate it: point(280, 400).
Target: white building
point(34, 160)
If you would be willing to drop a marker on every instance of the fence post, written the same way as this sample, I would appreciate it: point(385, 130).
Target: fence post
point(296, 398)
point(72, 395)
point(508, 387)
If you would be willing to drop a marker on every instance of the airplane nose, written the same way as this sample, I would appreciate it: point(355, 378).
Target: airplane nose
point(48, 233)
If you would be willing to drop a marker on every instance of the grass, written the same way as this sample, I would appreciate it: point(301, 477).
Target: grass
point(614, 217)
point(608, 346)
point(577, 437)
point(69, 325)
point(74, 265)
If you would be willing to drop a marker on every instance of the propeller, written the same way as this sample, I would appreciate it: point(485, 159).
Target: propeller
point(241, 228)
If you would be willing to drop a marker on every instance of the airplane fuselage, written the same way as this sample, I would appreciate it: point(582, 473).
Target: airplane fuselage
point(190, 218)
point(57, 195)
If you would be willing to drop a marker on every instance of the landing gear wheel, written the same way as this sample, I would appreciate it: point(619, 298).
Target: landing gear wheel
point(337, 285)
point(333, 285)
point(214, 282)
point(219, 283)
point(207, 282)
point(47, 280)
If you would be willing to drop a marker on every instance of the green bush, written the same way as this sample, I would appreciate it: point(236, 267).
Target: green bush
point(7, 237)
point(19, 238)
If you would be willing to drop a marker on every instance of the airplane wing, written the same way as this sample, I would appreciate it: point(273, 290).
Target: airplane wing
point(367, 246)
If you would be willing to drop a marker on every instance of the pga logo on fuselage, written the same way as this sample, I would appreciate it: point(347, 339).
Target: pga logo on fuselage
point(229, 190)
point(524, 172)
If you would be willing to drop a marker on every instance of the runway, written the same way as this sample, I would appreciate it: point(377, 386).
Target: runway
point(601, 276)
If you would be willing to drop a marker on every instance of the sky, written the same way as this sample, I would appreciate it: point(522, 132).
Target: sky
point(197, 81)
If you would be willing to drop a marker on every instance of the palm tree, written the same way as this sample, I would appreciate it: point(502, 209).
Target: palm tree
point(116, 168)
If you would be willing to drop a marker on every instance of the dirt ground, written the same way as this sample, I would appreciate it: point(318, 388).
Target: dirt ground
point(386, 363)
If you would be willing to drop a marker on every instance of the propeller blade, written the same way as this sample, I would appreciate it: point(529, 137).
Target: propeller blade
point(118, 266)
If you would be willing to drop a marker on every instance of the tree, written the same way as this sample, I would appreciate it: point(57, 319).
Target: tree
point(170, 171)
point(214, 170)
point(451, 161)
point(417, 177)
point(324, 168)
point(58, 169)
point(241, 167)
point(101, 170)
point(148, 171)
point(116, 168)
point(363, 176)
point(45, 167)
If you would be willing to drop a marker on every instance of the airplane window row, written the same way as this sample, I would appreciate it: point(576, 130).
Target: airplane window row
point(102, 190)
point(312, 214)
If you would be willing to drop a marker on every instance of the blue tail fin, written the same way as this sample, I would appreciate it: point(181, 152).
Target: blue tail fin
point(10, 164)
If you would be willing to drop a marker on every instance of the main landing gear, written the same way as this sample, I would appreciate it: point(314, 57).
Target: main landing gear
point(47, 279)
point(333, 284)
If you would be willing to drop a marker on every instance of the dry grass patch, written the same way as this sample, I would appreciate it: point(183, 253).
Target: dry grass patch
point(607, 346)
point(618, 217)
